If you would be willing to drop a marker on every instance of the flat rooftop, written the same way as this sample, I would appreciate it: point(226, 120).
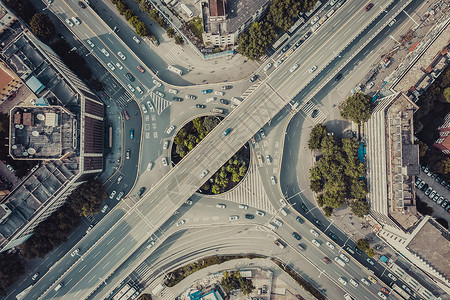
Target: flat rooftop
point(41, 132)
point(431, 243)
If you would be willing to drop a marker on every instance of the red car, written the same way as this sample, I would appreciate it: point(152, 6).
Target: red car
point(125, 113)
point(385, 290)
point(326, 260)
point(141, 69)
point(368, 7)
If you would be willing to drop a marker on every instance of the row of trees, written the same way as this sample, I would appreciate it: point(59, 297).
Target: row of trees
point(229, 174)
point(234, 281)
point(54, 231)
point(337, 177)
point(139, 26)
point(363, 245)
point(12, 267)
point(280, 17)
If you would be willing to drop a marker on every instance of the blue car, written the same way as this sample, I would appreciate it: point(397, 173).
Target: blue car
point(226, 132)
point(131, 133)
point(206, 91)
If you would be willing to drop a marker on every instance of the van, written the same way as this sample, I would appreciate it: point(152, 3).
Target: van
point(273, 227)
point(339, 261)
point(211, 99)
point(60, 285)
point(284, 212)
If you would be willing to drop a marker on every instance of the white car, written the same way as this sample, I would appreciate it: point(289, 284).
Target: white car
point(267, 67)
point(313, 232)
point(273, 180)
point(90, 43)
point(312, 69)
point(150, 106)
point(123, 57)
point(131, 88)
point(136, 40)
point(243, 206)
point(144, 109)
point(119, 179)
point(344, 258)
point(76, 21)
point(157, 83)
point(316, 243)
point(105, 207)
point(170, 129)
point(392, 277)
point(111, 66)
point(150, 244)
point(75, 252)
point(35, 276)
point(173, 91)
point(234, 218)
point(278, 63)
point(113, 193)
point(159, 94)
point(381, 295)
point(294, 67)
point(330, 245)
point(119, 66)
point(278, 222)
point(268, 160)
point(69, 22)
point(119, 197)
point(140, 91)
point(370, 85)
point(204, 173)
point(219, 93)
point(363, 280)
point(220, 205)
point(260, 213)
point(354, 282)
point(166, 145)
point(149, 166)
point(188, 202)
point(164, 161)
point(342, 280)
point(105, 52)
point(283, 202)
point(181, 222)
point(314, 20)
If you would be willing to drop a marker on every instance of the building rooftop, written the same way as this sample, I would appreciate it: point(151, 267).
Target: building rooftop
point(431, 244)
point(241, 12)
point(42, 132)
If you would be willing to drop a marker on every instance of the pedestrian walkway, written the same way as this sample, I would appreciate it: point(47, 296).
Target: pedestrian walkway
point(308, 109)
point(251, 89)
point(124, 99)
point(173, 55)
point(158, 102)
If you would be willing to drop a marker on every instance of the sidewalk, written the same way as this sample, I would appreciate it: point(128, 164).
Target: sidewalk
point(197, 70)
point(244, 264)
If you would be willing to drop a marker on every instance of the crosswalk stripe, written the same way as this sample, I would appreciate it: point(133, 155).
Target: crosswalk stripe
point(159, 103)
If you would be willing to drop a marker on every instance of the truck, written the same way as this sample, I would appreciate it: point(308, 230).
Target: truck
point(279, 243)
point(217, 110)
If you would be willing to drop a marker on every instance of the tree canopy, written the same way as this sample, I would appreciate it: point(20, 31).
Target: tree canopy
point(254, 43)
point(357, 108)
point(11, 269)
point(315, 138)
point(42, 26)
point(234, 280)
point(362, 244)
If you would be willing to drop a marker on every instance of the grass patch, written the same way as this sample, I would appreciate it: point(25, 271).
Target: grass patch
point(196, 26)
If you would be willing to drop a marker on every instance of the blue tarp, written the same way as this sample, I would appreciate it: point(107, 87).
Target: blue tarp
point(361, 152)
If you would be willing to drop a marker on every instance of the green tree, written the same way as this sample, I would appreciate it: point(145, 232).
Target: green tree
point(129, 13)
point(134, 21)
point(370, 253)
point(422, 148)
point(443, 166)
point(243, 170)
point(362, 244)
point(315, 138)
point(121, 7)
point(447, 94)
point(170, 32)
point(316, 186)
point(178, 40)
point(11, 269)
point(358, 189)
point(281, 13)
point(145, 6)
point(357, 108)
point(23, 8)
point(359, 207)
point(330, 145)
point(210, 122)
point(328, 211)
point(141, 29)
point(215, 189)
point(254, 43)
point(42, 26)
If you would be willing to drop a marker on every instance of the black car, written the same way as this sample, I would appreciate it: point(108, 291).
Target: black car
point(130, 77)
point(303, 206)
point(357, 250)
point(307, 35)
point(177, 99)
point(338, 77)
point(333, 236)
point(253, 78)
point(318, 223)
point(81, 4)
point(299, 43)
point(297, 236)
point(200, 106)
point(249, 216)
point(285, 48)
point(300, 220)
point(314, 113)
point(141, 191)
point(425, 187)
point(224, 101)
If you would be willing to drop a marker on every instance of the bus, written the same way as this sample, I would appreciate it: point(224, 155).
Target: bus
point(175, 70)
point(400, 292)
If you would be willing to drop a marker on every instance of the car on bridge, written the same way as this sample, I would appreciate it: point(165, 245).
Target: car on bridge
point(141, 69)
point(206, 91)
point(226, 132)
point(204, 173)
point(369, 6)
